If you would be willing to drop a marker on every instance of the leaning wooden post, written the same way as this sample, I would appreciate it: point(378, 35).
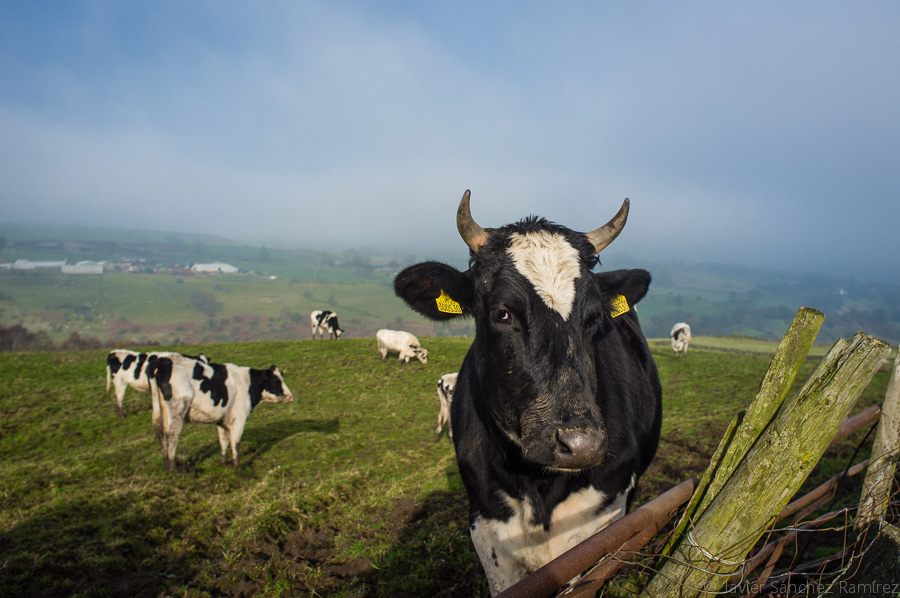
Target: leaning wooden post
point(878, 484)
point(748, 425)
point(769, 474)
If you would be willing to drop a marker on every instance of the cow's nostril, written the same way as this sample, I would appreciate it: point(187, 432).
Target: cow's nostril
point(577, 449)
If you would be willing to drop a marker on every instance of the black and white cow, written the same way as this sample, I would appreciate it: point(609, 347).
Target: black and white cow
point(126, 368)
point(446, 384)
point(325, 322)
point(557, 407)
point(681, 337)
point(188, 390)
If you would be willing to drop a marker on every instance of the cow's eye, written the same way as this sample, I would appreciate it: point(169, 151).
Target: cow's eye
point(502, 315)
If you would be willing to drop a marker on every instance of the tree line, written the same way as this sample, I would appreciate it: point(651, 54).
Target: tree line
point(17, 338)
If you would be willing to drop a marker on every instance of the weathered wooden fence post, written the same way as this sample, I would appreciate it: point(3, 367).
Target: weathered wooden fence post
point(876, 490)
point(747, 425)
point(764, 459)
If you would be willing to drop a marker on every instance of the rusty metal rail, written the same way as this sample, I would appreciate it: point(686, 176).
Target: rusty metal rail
point(609, 541)
point(852, 424)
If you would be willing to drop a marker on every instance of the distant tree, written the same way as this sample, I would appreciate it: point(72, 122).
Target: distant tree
point(205, 303)
point(76, 342)
point(331, 301)
point(264, 254)
point(19, 338)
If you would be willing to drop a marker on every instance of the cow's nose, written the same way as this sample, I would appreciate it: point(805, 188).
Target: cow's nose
point(577, 449)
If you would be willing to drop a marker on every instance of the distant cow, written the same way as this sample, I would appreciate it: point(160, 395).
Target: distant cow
point(188, 390)
point(126, 368)
point(445, 386)
point(404, 343)
point(325, 322)
point(558, 403)
point(680, 336)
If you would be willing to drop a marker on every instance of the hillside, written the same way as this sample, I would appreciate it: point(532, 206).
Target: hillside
point(341, 493)
point(148, 294)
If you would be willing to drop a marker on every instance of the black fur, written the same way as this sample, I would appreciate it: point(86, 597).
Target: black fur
point(591, 371)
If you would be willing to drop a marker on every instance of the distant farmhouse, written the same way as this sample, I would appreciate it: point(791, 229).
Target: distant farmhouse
point(84, 267)
point(30, 265)
point(215, 267)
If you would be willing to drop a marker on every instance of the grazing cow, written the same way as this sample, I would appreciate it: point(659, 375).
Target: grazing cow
point(445, 385)
point(404, 343)
point(189, 390)
point(681, 336)
point(325, 322)
point(557, 407)
point(126, 368)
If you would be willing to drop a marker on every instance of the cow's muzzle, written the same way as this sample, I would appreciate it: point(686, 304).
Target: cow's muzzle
point(578, 449)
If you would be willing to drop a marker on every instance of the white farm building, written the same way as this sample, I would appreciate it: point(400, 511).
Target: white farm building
point(216, 267)
point(84, 267)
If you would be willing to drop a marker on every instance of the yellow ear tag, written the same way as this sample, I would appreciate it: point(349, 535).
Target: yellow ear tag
point(619, 306)
point(447, 305)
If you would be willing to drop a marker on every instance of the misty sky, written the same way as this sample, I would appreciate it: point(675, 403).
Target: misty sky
point(764, 133)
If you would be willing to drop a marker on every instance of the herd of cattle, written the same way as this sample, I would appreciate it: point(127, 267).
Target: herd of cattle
point(555, 412)
point(191, 388)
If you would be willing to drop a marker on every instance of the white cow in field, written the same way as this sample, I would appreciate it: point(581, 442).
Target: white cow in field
point(404, 343)
point(184, 389)
point(445, 386)
point(126, 368)
point(680, 336)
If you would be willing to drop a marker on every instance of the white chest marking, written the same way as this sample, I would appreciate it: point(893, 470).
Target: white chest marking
point(511, 549)
point(549, 263)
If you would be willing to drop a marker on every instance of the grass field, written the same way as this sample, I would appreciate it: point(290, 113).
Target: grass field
point(145, 308)
point(341, 493)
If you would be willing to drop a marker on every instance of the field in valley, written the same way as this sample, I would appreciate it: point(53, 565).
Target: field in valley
point(341, 493)
point(163, 302)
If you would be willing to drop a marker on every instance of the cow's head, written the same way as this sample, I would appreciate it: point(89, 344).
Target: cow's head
point(271, 385)
point(538, 309)
point(420, 352)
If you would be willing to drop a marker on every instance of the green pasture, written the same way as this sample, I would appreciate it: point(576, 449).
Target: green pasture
point(340, 493)
point(136, 307)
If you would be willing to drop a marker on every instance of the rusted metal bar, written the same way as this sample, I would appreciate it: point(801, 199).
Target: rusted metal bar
point(860, 420)
point(549, 578)
point(823, 489)
point(603, 572)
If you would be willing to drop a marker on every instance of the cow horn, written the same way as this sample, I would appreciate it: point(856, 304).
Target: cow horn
point(603, 236)
point(474, 236)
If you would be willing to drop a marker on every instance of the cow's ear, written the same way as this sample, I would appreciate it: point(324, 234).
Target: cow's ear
point(631, 284)
point(436, 290)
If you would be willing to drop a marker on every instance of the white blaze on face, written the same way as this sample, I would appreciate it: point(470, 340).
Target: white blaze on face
point(549, 263)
